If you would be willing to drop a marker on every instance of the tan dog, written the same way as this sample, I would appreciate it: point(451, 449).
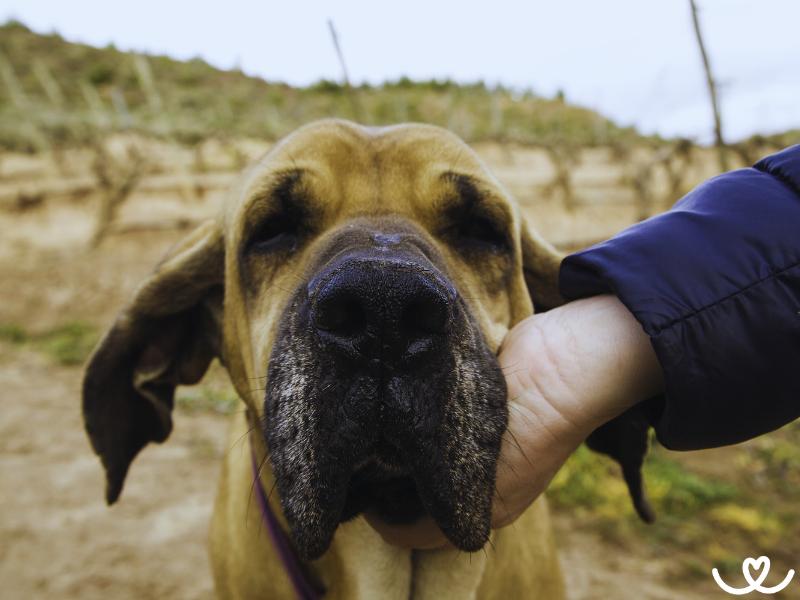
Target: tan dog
point(369, 276)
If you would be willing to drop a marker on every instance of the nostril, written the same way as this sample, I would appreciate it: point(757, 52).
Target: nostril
point(342, 315)
point(425, 316)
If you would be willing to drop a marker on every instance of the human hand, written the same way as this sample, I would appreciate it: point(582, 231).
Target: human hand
point(568, 371)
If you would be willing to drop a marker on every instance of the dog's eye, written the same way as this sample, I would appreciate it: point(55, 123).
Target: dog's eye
point(473, 226)
point(476, 232)
point(279, 233)
point(480, 230)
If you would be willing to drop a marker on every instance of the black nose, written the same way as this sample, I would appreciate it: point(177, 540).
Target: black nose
point(384, 310)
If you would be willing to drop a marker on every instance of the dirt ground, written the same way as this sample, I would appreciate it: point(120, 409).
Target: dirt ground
point(59, 540)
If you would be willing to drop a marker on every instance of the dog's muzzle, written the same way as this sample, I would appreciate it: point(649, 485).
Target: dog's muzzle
point(383, 396)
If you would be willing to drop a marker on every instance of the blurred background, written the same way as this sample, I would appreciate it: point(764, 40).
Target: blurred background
point(122, 126)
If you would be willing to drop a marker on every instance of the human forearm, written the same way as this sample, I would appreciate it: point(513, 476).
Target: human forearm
point(568, 371)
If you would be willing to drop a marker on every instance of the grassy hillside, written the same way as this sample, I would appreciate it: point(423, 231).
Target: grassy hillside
point(54, 91)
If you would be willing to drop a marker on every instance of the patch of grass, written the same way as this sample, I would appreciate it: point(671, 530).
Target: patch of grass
point(67, 344)
point(588, 481)
point(590, 487)
point(746, 518)
point(209, 399)
point(776, 459)
point(679, 492)
point(702, 520)
point(593, 482)
point(13, 334)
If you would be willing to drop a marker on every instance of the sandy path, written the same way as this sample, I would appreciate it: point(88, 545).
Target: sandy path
point(60, 539)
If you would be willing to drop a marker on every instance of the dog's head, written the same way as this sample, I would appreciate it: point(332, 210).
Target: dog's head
point(368, 277)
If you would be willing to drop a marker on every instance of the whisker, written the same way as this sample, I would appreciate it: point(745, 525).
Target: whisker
point(507, 465)
point(241, 437)
point(272, 489)
point(519, 447)
point(256, 479)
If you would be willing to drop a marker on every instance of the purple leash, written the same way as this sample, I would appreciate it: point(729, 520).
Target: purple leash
point(302, 586)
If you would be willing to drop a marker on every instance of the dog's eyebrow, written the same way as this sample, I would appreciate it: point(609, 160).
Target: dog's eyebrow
point(466, 185)
point(472, 193)
point(280, 185)
point(282, 194)
point(279, 190)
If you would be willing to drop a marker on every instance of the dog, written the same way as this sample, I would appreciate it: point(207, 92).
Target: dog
point(357, 287)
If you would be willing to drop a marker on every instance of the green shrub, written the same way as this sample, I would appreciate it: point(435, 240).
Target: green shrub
point(101, 74)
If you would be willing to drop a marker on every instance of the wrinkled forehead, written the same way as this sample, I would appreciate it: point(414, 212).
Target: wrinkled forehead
point(353, 170)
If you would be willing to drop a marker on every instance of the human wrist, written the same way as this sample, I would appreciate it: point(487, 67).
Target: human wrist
point(588, 360)
point(606, 357)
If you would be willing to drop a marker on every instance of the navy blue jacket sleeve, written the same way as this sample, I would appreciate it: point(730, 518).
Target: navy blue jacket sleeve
point(715, 283)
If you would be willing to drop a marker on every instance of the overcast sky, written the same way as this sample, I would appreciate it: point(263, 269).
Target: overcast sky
point(634, 60)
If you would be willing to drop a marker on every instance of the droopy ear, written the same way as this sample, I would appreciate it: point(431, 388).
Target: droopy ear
point(166, 336)
point(626, 440)
point(540, 265)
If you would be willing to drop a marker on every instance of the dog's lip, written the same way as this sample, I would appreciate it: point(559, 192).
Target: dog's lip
point(390, 494)
point(381, 468)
